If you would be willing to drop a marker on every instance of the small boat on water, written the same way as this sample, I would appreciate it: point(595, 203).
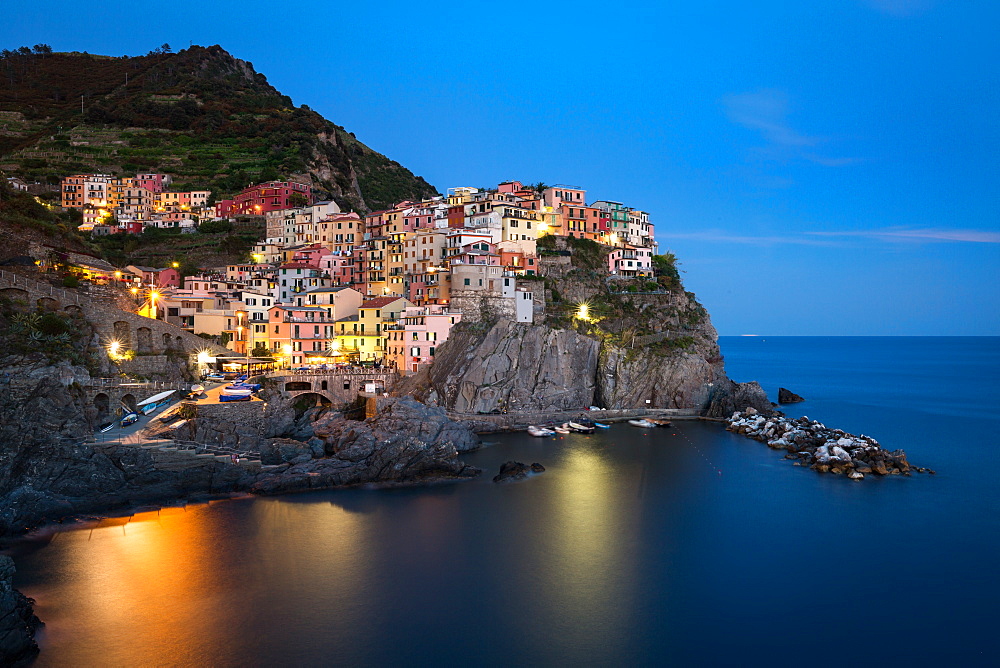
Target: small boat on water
point(659, 423)
point(562, 430)
point(540, 431)
point(579, 428)
point(601, 425)
point(641, 423)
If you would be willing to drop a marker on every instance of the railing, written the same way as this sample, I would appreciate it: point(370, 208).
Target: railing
point(125, 382)
point(38, 286)
point(341, 371)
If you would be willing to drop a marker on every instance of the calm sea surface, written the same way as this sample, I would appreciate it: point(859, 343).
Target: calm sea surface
point(686, 546)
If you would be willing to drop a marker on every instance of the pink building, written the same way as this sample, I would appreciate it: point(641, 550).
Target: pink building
point(258, 199)
point(296, 333)
point(413, 341)
point(155, 183)
point(630, 261)
point(164, 278)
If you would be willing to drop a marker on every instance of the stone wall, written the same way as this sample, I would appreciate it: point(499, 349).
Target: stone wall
point(237, 424)
point(101, 309)
point(478, 305)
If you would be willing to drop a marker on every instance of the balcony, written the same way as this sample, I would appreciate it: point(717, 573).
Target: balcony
point(316, 321)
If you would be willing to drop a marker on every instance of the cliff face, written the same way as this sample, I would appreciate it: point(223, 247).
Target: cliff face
point(17, 621)
point(642, 343)
point(514, 366)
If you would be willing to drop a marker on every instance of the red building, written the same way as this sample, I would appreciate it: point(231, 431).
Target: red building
point(256, 200)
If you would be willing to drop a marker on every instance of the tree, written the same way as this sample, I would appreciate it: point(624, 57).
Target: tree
point(296, 200)
point(540, 187)
point(260, 350)
point(42, 49)
point(165, 48)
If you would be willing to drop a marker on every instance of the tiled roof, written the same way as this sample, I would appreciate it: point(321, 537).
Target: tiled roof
point(379, 302)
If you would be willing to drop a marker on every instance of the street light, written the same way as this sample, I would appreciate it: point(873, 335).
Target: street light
point(153, 296)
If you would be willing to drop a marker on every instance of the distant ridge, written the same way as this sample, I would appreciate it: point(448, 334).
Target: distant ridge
point(201, 114)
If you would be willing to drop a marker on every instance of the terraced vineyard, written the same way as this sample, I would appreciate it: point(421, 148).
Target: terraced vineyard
point(201, 115)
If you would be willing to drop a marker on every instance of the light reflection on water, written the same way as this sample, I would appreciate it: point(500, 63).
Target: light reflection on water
point(631, 548)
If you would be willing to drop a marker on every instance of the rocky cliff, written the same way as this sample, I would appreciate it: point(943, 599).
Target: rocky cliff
point(596, 340)
point(18, 622)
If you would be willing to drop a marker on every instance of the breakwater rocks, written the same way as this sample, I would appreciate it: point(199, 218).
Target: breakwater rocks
point(18, 622)
point(820, 448)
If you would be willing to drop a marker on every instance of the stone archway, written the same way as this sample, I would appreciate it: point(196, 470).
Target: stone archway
point(167, 341)
point(297, 386)
point(144, 340)
point(47, 304)
point(102, 402)
point(309, 400)
point(73, 310)
point(323, 386)
point(129, 401)
point(179, 343)
point(15, 294)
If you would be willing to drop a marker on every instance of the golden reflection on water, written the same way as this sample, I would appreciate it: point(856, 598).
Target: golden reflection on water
point(587, 566)
point(154, 579)
point(183, 589)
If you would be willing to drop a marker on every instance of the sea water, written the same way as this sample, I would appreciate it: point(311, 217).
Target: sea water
point(684, 546)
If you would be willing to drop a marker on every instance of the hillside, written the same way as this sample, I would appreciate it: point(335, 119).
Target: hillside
point(202, 115)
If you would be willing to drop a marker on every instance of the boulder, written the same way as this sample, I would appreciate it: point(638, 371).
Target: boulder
point(18, 622)
point(512, 471)
point(786, 396)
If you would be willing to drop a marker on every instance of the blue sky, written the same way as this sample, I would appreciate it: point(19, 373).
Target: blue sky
point(820, 168)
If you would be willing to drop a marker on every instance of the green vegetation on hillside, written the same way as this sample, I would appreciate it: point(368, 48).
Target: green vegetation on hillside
point(201, 115)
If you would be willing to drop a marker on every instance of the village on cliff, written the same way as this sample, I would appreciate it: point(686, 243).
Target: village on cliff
point(328, 287)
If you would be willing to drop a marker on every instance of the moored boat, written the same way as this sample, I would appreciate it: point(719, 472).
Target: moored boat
point(561, 430)
point(540, 431)
point(579, 428)
point(641, 423)
point(660, 423)
point(601, 425)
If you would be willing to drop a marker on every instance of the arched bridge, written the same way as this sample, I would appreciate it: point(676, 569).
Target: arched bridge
point(336, 386)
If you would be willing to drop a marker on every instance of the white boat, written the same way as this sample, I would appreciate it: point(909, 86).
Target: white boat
point(641, 423)
point(540, 431)
point(197, 389)
point(237, 391)
point(562, 430)
point(155, 399)
point(579, 428)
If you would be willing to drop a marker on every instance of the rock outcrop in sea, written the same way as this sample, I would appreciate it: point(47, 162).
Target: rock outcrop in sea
point(786, 396)
point(18, 622)
point(821, 448)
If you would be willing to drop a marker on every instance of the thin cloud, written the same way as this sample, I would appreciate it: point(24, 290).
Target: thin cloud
point(919, 234)
point(900, 7)
point(722, 236)
point(766, 111)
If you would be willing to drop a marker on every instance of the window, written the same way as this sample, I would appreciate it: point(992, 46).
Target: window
point(467, 282)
